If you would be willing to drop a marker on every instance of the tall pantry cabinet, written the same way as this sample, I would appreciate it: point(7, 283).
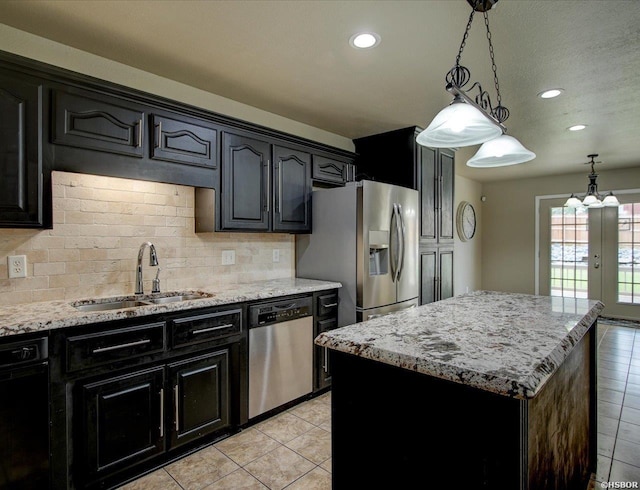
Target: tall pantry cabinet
point(395, 157)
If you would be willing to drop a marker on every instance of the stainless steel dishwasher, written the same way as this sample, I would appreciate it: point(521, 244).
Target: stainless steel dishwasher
point(280, 353)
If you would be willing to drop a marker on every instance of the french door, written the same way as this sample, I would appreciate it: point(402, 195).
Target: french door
point(592, 253)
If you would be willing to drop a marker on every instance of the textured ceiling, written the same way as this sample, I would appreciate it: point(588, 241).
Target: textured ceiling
point(292, 58)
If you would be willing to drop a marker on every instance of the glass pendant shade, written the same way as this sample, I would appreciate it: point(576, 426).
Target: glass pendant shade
point(499, 152)
point(573, 202)
point(591, 200)
point(458, 124)
point(611, 200)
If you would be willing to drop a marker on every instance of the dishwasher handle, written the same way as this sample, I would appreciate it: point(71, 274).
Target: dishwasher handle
point(268, 313)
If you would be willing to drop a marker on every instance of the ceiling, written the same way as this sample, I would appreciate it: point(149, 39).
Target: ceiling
point(293, 58)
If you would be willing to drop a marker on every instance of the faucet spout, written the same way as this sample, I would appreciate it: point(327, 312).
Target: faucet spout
point(153, 261)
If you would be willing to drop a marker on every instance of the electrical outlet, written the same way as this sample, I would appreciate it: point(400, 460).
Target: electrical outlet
point(228, 257)
point(276, 255)
point(17, 265)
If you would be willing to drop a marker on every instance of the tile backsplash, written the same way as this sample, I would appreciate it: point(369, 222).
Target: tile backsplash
point(99, 224)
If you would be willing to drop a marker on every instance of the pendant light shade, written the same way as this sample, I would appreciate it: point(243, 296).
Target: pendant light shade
point(499, 152)
point(611, 200)
point(593, 199)
point(458, 124)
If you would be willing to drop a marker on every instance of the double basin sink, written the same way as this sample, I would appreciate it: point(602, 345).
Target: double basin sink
point(105, 304)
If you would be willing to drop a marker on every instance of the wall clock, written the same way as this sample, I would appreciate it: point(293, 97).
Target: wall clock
point(466, 221)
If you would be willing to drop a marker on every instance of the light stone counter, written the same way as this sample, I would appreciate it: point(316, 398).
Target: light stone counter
point(40, 317)
point(509, 344)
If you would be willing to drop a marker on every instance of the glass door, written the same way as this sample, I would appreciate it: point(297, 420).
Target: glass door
point(592, 253)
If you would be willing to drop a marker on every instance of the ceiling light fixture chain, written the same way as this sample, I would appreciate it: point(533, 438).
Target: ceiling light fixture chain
point(469, 120)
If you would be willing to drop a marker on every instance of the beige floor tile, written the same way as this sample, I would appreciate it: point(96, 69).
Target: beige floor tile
point(326, 425)
point(194, 472)
point(316, 479)
point(314, 445)
point(313, 412)
point(279, 468)
point(216, 458)
point(247, 446)
point(284, 427)
point(327, 465)
point(153, 481)
point(238, 480)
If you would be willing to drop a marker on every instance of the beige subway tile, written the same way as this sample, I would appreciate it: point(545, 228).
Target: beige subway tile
point(92, 242)
point(165, 231)
point(57, 190)
point(68, 204)
point(143, 186)
point(120, 208)
point(176, 221)
point(155, 220)
point(41, 255)
point(48, 269)
point(166, 210)
point(61, 178)
point(93, 207)
point(185, 212)
point(92, 254)
point(47, 242)
point(78, 217)
point(57, 216)
point(158, 199)
point(145, 209)
point(48, 294)
point(119, 196)
point(83, 193)
point(84, 291)
point(16, 297)
point(119, 219)
point(30, 283)
point(64, 281)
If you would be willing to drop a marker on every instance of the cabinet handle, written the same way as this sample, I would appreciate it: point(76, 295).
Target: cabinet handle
point(159, 136)
point(161, 412)
point(326, 360)
point(211, 329)
point(279, 210)
point(140, 133)
point(268, 193)
point(176, 394)
point(330, 305)
point(121, 346)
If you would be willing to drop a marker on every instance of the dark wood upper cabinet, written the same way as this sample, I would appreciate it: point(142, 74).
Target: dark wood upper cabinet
point(328, 170)
point(83, 121)
point(21, 168)
point(291, 190)
point(437, 174)
point(181, 141)
point(244, 192)
point(446, 169)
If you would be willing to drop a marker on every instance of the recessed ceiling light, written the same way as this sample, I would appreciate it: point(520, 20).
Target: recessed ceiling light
point(550, 94)
point(577, 127)
point(364, 40)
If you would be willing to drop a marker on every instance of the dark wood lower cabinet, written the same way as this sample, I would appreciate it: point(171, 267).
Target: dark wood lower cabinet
point(122, 420)
point(436, 274)
point(200, 394)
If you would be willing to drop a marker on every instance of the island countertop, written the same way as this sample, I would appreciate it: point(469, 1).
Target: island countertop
point(48, 315)
point(505, 343)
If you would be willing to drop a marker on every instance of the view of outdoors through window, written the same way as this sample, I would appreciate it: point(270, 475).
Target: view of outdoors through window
point(569, 252)
point(629, 253)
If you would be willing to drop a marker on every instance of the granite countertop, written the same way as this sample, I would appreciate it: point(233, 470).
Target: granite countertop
point(40, 317)
point(509, 344)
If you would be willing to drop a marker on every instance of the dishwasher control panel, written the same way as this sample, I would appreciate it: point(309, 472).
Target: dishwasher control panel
point(279, 311)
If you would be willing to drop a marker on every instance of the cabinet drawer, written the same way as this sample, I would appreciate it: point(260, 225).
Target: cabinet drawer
point(329, 170)
point(328, 304)
point(205, 327)
point(328, 324)
point(92, 350)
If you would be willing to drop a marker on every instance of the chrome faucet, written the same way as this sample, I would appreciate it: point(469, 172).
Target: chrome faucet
point(153, 261)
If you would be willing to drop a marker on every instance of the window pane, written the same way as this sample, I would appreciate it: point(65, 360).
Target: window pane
point(569, 252)
point(629, 253)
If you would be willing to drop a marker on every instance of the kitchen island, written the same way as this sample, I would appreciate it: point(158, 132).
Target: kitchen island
point(486, 390)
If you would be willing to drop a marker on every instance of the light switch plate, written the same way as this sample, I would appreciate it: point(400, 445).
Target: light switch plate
point(276, 255)
point(228, 257)
point(17, 266)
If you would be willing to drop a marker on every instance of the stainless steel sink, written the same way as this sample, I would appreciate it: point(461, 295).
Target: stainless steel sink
point(179, 297)
point(110, 305)
point(106, 304)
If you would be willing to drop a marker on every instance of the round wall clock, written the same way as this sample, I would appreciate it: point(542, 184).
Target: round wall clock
point(466, 221)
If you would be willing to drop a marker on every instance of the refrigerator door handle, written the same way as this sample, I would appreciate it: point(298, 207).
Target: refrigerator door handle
point(402, 240)
point(399, 238)
point(393, 263)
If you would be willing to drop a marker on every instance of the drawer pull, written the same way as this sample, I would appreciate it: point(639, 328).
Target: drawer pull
point(330, 305)
point(211, 329)
point(121, 346)
point(161, 412)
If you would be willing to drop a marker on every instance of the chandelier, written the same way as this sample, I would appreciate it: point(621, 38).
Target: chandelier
point(470, 120)
point(592, 199)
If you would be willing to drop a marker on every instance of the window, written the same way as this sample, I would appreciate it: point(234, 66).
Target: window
point(629, 253)
point(570, 252)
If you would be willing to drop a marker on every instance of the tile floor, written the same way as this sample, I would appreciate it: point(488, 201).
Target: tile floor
point(293, 449)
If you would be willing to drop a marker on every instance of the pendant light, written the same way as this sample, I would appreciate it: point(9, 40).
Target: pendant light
point(469, 121)
point(592, 198)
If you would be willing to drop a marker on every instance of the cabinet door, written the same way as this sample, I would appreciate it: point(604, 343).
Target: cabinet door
point(244, 197)
point(428, 193)
point(446, 171)
point(323, 368)
point(428, 276)
point(97, 122)
point(328, 170)
point(181, 141)
point(291, 190)
point(200, 396)
point(20, 158)
point(122, 420)
point(445, 274)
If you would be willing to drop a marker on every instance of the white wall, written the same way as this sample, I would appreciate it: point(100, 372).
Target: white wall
point(467, 256)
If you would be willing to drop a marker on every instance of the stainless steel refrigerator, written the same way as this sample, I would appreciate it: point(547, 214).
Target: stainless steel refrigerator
point(365, 235)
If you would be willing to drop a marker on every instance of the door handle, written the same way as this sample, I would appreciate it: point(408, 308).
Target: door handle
point(399, 237)
point(402, 236)
point(596, 265)
point(161, 412)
